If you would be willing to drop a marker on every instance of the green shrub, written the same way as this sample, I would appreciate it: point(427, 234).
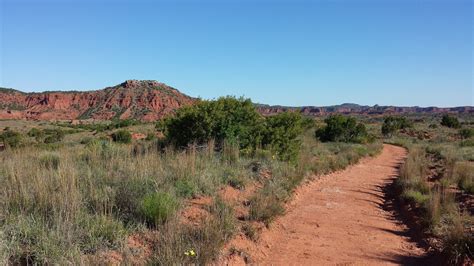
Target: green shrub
point(227, 119)
point(157, 208)
point(282, 135)
point(343, 129)
point(52, 135)
point(11, 138)
point(450, 121)
point(265, 208)
point(467, 143)
point(466, 133)
point(415, 196)
point(392, 124)
point(34, 132)
point(186, 188)
point(122, 136)
point(129, 198)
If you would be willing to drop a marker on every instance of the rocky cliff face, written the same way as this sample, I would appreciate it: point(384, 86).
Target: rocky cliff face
point(143, 100)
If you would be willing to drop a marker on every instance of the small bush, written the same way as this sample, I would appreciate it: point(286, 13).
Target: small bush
point(122, 136)
point(158, 207)
point(415, 197)
point(392, 124)
point(52, 135)
point(466, 133)
point(34, 132)
point(265, 208)
point(250, 231)
point(450, 121)
point(11, 138)
point(343, 129)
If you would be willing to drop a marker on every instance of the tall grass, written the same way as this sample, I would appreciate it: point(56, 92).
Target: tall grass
point(435, 200)
point(59, 203)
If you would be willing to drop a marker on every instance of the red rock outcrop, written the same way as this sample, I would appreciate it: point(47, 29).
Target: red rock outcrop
point(143, 100)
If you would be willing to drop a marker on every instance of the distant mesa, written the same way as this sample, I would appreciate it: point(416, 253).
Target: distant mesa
point(150, 100)
point(146, 100)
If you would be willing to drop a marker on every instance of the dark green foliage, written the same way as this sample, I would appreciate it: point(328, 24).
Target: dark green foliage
point(122, 136)
point(53, 135)
point(227, 119)
point(11, 138)
point(450, 121)
point(466, 133)
point(158, 207)
point(101, 127)
point(281, 135)
point(342, 129)
point(34, 132)
point(392, 124)
point(232, 121)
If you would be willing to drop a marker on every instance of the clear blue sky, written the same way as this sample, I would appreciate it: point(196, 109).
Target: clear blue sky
point(389, 52)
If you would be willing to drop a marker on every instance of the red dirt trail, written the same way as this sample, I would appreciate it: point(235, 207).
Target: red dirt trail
point(342, 219)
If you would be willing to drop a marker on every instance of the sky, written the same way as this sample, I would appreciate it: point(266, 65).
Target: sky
point(386, 52)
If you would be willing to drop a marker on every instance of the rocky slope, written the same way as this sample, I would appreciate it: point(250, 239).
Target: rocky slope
point(143, 100)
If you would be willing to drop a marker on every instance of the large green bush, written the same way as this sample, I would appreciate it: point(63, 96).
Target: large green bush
point(235, 122)
point(282, 135)
point(391, 124)
point(342, 129)
point(450, 121)
point(226, 119)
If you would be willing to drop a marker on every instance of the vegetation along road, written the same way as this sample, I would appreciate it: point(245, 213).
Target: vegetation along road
point(342, 218)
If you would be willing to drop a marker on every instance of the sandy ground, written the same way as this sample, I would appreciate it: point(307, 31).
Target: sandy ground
point(344, 219)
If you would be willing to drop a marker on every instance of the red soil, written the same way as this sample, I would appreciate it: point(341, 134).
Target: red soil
point(338, 219)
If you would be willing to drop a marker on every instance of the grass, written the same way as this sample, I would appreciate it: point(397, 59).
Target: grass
point(436, 172)
point(69, 202)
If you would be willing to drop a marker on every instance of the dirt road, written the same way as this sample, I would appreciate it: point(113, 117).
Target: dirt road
point(342, 218)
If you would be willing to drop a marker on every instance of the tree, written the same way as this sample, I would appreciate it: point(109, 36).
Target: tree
point(230, 119)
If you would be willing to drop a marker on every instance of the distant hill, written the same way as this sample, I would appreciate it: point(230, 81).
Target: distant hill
point(148, 100)
point(350, 108)
point(144, 100)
